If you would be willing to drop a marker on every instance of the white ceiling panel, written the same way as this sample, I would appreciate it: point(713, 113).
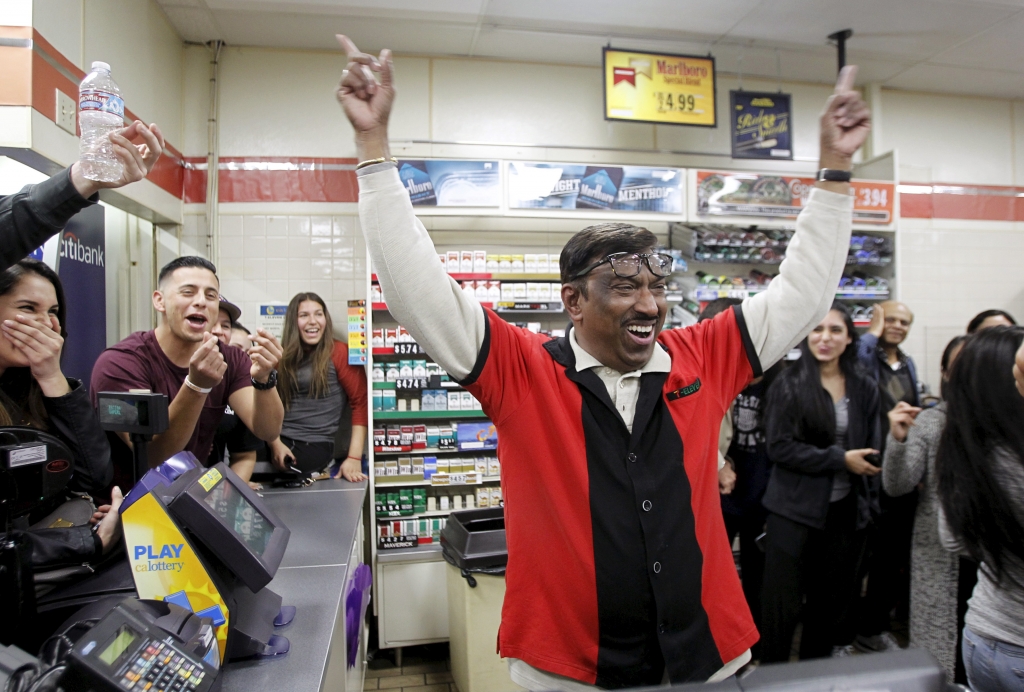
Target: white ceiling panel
point(961, 80)
point(317, 32)
point(694, 16)
point(953, 46)
point(911, 28)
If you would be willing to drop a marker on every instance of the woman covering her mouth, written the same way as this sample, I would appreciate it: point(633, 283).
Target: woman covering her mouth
point(315, 382)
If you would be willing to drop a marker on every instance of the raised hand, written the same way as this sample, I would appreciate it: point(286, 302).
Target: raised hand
point(877, 326)
point(845, 123)
point(137, 159)
point(366, 93)
point(40, 343)
point(265, 354)
point(901, 417)
point(207, 366)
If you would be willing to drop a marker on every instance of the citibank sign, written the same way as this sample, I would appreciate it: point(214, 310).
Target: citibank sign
point(72, 248)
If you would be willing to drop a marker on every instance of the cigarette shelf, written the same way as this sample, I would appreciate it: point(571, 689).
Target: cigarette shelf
point(428, 483)
point(426, 415)
point(496, 277)
point(423, 552)
point(429, 450)
point(513, 307)
point(846, 294)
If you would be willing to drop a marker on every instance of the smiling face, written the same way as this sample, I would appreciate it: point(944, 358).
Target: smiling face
point(189, 300)
point(34, 297)
point(618, 320)
point(312, 323)
point(829, 339)
point(898, 319)
point(222, 327)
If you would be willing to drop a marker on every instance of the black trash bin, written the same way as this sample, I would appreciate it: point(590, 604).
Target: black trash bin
point(474, 541)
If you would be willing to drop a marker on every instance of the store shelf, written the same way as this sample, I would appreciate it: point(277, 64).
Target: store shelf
point(416, 484)
point(856, 294)
point(431, 451)
point(518, 306)
point(496, 277)
point(426, 415)
point(427, 552)
point(425, 515)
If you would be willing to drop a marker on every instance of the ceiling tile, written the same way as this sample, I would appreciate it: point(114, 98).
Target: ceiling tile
point(910, 28)
point(960, 80)
point(999, 47)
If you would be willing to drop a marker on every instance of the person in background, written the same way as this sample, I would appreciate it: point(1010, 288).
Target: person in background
point(316, 381)
point(980, 465)
point(232, 437)
point(29, 217)
point(822, 425)
point(990, 318)
point(743, 473)
point(184, 361)
point(33, 389)
point(909, 463)
point(888, 562)
point(34, 392)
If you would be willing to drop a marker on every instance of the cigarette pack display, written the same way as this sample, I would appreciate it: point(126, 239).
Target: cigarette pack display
point(508, 291)
point(404, 466)
point(518, 264)
point(405, 368)
point(429, 467)
point(390, 400)
point(405, 499)
point(519, 291)
point(533, 290)
point(505, 264)
point(496, 497)
point(493, 265)
point(377, 374)
point(452, 265)
point(417, 467)
point(481, 465)
point(377, 338)
point(466, 401)
point(493, 291)
point(390, 337)
point(542, 264)
point(442, 465)
point(470, 501)
point(479, 261)
point(466, 263)
point(419, 437)
point(419, 368)
point(469, 288)
point(530, 263)
point(378, 402)
point(407, 433)
point(456, 502)
point(454, 401)
point(444, 502)
point(431, 504)
point(493, 467)
point(376, 296)
point(434, 433)
point(483, 497)
point(444, 261)
point(390, 467)
point(380, 436)
point(403, 404)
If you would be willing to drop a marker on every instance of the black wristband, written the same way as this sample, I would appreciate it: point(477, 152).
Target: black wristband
point(834, 175)
point(269, 384)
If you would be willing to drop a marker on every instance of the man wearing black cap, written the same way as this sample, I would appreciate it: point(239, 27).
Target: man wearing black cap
point(232, 436)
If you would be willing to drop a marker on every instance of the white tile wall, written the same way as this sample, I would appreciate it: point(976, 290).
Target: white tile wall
point(271, 258)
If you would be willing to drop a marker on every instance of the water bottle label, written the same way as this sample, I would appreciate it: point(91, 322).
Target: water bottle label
point(102, 101)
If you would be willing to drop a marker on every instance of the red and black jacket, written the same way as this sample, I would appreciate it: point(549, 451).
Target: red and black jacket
point(618, 564)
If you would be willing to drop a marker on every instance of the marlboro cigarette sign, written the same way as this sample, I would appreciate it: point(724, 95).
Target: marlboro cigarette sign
point(659, 88)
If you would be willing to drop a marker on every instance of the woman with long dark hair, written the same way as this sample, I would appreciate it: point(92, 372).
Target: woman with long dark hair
point(990, 318)
point(822, 427)
point(909, 463)
point(34, 392)
point(315, 382)
point(980, 466)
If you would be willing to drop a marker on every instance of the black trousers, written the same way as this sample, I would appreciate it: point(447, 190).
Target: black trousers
point(751, 563)
point(888, 564)
point(310, 457)
point(820, 566)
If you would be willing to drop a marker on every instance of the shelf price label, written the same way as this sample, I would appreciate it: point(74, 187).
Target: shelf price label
point(447, 443)
point(411, 383)
point(468, 478)
point(409, 349)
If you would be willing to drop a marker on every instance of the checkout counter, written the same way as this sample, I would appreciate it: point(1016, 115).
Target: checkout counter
point(326, 545)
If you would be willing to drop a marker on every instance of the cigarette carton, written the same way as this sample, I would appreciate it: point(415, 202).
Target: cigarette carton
point(479, 261)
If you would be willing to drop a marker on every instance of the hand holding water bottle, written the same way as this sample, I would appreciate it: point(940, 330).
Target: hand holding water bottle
point(108, 158)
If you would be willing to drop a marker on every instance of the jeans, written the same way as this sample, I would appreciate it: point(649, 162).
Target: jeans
point(992, 666)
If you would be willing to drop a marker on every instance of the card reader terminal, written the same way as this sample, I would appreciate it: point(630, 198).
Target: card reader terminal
point(131, 649)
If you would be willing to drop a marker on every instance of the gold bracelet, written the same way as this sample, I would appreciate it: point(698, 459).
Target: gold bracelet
point(371, 162)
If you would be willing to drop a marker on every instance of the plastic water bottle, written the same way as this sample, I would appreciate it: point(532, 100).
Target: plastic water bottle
point(100, 112)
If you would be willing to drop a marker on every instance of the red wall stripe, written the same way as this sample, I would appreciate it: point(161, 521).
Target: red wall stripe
point(275, 179)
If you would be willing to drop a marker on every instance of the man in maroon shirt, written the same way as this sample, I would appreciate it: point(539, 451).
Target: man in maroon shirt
point(200, 376)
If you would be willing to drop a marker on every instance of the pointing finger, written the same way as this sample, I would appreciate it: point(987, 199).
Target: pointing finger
point(847, 77)
point(346, 44)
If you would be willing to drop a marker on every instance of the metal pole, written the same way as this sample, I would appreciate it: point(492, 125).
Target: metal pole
point(840, 38)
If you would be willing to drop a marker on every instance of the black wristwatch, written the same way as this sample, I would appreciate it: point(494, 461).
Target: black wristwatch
point(269, 384)
point(834, 175)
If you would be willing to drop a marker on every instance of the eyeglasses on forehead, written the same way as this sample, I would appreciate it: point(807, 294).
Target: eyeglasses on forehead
point(626, 265)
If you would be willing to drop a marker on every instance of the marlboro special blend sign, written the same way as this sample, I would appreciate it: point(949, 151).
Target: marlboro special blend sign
point(659, 88)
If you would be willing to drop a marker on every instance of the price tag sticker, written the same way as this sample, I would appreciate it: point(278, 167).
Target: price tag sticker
point(408, 349)
point(411, 383)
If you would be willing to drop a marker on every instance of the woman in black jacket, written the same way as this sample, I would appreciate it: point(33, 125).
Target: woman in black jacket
point(822, 428)
point(34, 392)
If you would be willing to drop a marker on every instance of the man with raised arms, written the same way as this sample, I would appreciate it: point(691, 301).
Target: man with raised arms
point(619, 570)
